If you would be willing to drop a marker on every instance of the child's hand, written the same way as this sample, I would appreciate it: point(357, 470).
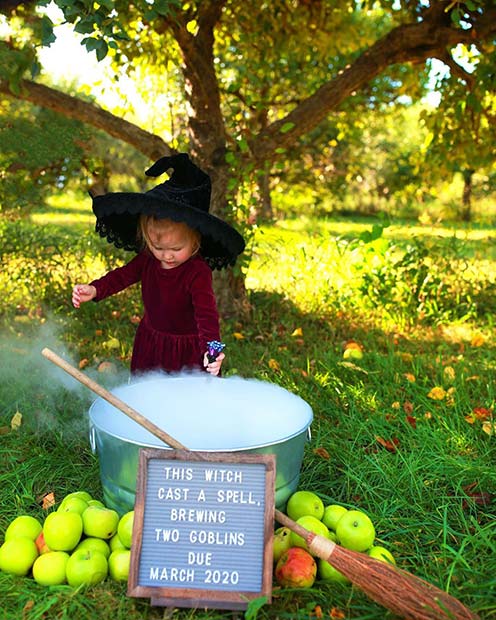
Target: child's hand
point(213, 367)
point(82, 293)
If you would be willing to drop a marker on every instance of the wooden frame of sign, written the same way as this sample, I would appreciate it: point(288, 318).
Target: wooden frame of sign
point(203, 528)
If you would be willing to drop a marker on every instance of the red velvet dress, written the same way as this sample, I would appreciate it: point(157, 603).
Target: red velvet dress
point(180, 312)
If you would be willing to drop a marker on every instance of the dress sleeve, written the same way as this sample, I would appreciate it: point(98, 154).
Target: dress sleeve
point(205, 306)
point(119, 279)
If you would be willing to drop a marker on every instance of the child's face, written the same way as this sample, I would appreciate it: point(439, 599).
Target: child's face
point(171, 245)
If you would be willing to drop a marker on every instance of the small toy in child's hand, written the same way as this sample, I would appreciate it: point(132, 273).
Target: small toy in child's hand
point(214, 348)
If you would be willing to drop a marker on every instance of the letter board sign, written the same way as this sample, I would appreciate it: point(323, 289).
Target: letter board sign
point(203, 528)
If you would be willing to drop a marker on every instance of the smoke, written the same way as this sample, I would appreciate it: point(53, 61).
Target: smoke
point(46, 396)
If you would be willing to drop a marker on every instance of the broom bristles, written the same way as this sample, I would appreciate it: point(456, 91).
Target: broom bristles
point(403, 593)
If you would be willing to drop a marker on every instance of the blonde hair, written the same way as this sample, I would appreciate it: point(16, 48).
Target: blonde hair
point(165, 224)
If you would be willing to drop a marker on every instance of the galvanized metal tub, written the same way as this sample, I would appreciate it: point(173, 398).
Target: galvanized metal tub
point(203, 413)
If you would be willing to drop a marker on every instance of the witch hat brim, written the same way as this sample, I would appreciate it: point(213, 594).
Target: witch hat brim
point(185, 197)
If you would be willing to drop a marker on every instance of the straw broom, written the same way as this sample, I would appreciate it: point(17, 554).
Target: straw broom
point(401, 592)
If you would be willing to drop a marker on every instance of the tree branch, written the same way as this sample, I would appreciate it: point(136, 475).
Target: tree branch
point(90, 113)
point(414, 42)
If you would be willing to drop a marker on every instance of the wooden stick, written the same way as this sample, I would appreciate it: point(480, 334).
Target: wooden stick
point(398, 590)
point(113, 400)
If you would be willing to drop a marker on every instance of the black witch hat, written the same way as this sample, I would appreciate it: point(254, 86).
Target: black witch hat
point(185, 197)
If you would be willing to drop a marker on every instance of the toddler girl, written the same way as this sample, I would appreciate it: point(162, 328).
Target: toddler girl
point(178, 244)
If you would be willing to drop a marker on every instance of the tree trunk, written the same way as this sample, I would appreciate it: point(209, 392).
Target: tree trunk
point(468, 175)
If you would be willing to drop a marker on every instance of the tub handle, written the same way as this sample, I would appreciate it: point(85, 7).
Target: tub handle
point(92, 437)
point(309, 434)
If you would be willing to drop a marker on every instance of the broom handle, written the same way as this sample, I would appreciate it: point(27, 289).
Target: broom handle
point(113, 400)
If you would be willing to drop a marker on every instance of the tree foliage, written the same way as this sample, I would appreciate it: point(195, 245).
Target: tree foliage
point(257, 78)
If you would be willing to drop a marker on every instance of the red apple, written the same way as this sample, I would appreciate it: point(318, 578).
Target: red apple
point(296, 568)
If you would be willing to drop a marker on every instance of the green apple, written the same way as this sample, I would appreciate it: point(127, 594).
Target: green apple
point(332, 514)
point(81, 494)
point(125, 528)
point(355, 531)
point(119, 563)
point(352, 354)
point(313, 525)
point(96, 502)
point(100, 522)
point(281, 542)
point(62, 530)
point(73, 504)
point(115, 543)
point(327, 572)
point(97, 544)
point(302, 503)
point(24, 525)
point(49, 568)
point(17, 555)
point(382, 554)
point(87, 567)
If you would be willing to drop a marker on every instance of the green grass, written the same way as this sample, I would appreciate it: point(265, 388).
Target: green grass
point(313, 285)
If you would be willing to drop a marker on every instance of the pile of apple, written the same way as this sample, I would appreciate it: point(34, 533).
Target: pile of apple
point(80, 543)
point(294, 564)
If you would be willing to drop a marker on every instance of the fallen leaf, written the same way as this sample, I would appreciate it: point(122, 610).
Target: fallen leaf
point(48, 501)
point(409, 377)
point(297, 332)
point(83, 363)
point(449, 373)
point(135, 319)
point(481, 413)
point(390, 445)
point(336, 613)
point(437, 393)
point(16, 421)
point(4, 430)
point(408, 407)
point(274, 365)
point(395, 405)
point(412, 421)
point(28, 606)
point(322, 452)
point(238, 336)
point(406, 357)
point(478, 340)
point(489, 428)
point(318, 611)
point(98, 332)
point(428, 415)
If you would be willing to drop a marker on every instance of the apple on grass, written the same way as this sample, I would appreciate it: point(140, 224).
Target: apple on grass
point(281, 542)
point(73, 504)
point(296, 568)
point(100, 522)
point(332, 514)
point(119, 563)
point(382, 554)
point(41, 543)
point(81, 494)
point(62, 530)
point(24, 525)
point(97, 544)
point(17, 555)
point(327, 572)
point(49, 568)
point(312, 524)
point(355, 531)
point(125, 528)
point(302, 503)
point(86, 567)
point(115, 543)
